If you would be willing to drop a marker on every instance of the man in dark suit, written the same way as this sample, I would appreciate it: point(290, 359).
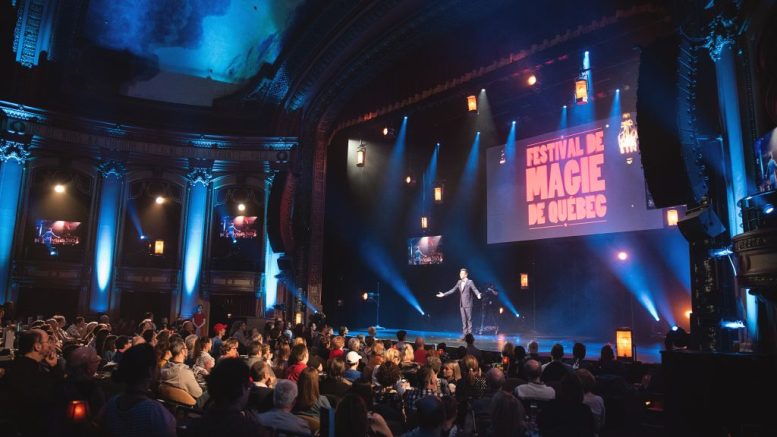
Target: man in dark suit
point(466, 288)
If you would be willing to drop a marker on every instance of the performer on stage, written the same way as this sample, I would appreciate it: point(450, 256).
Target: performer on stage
point(466, 287)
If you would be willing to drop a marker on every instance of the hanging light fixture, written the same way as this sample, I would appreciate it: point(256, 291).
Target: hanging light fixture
point(424, 222)
point(438, 192)
point(581, 89)
point(472, 103)
point(361, 155)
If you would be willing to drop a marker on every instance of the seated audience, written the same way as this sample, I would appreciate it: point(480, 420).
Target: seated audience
point(420, 353)
point(507, 416)
point(534, 351)
point(471, 349)
point(352, 418)
point(594, 402)
point(77, 330)
point(254, 353)
point(334, 383)
point(133, 413)
point(556, 368)
point(352, 360)
point(431, 417)
point(298, 361)
point(109, 349)
point(426, 385)
point(229, 387)
point(122, 344)
point(389, 402)
point(578, 356)
point(229, 349)
point(338, 345)
point(309, 399)
point(535, 388)
point(31, 379)
point(219, 329)
point(260, 398)
point(177, 374)
point(280, 417)
point(567, 415)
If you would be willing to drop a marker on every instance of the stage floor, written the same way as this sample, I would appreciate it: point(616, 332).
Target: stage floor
point(646, 353)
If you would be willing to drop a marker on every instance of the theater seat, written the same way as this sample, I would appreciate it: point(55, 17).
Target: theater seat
point(174, 394)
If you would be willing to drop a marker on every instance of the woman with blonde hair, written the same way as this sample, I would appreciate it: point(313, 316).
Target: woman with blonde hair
point(393, 356)
point(338, 343)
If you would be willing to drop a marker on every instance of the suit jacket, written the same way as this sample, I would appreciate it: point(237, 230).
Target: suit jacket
point(465, 298)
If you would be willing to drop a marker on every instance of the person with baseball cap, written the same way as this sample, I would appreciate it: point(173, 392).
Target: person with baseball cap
point(352, 361)
point(215, 349)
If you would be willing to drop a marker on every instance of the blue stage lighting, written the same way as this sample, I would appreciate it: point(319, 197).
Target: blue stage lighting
point(53, 252)
point(271, 269)
point(736, 324)
point(11, 173)
point(142, 237)
point(674, 328)
point(194, 240)
point(564, 107)
point(107, 222)
point(768, 208)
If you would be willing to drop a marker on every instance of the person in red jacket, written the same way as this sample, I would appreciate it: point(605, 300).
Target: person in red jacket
point(298, 361)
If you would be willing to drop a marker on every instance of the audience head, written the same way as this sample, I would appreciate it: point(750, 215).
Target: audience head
point(419, 343)
point(393, 355)
point(587, 380)
point(351, 416)
point(508, 350)
point(520, 353)
point(388, 374)
point(34, 343)
point(219, 329)
point(534, 347)
point(378, 348)
point(578, 351)
point(401, 335)
point(82, 363)
point(354, 344)
point(178, 350)
point(307, 386)
point(261, 372)
point(533, 370)
point(469, 339)
point(122, 343)
point(299, 354)
point(495, 379)
point(80, 321)
point(338, 342)
point(431, 413)
point(255, 349)
point(335, 368)
point(229, 348)
point(557, 352)
point(285, 394)
point(149, 336)
point(451, 371)
point(315, 362)
point(353, 358)
point(372, 331)
point(435, 363)
point(203, 344)
point(229, 383)
point(507, 415)
point(426, 378)
point(138, 366)
point(570, 389)
point(607, 353)
point(470, 367)
point(343, 331)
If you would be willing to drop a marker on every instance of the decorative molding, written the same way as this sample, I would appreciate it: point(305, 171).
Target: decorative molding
point(16, 150)
point(112, 168)
point(34, 30)
point(200, 175)
point(722, 34)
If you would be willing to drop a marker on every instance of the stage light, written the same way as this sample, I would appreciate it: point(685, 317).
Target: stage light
point(241, 207)
point(672, 217)
point(688, 314)
point(59, 188)
point(159, 247)
point(736, 324)
point(385, 131)
point(53, 252)
point(408, 180)
point(524, 281)
point(361, 155)
point(424, 222)
point(502, 156)
point(531, 80)
point(501, 310)
point(564, 107)
point(142, 237)
point(624, 346)
point(472, 103)
point(617, 90)
point(768, 208)
point(438, 194)
point(581, 90)
point(482, 90)
point(365, 296)
point(623, 256)
point(674, 328)
point(159, 200)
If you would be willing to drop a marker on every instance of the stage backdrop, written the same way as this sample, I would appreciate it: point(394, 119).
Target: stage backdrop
point(578, 181)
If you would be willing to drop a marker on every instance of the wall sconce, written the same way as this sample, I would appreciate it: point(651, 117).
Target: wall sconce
point(424, 222)
point(672, 217)
point(297, 318)
point(581, 89)
point(159, 247)
point(361, 155)
point(438, 192)
point(524, 281)
point(624, 347)
point(472, 103)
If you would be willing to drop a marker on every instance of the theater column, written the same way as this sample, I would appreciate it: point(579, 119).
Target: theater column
point(102, 297)
point(196, 206)
point(13, 155)
point(722, 46)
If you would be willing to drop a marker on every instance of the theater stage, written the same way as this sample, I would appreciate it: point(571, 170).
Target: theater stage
point(646, 353)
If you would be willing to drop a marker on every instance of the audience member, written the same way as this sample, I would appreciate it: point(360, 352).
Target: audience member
point(507, 416)
point(122, 344)
point(556, 368)
point(133, 413)
point(280, 417)
point(334, 383)
point(420, 354)
point(578, 356)
point(352, 360)
point(219, 329)
point(471, 349)
point(535, 388)
point(594, 402)
point(566, 415)
point(229, 387)
point(298, 361)
point(338, 343)
point(254, 353)
point(534, 351)
point(177, 374)
point(431, 417)
point(260, 399)
point(310, 402)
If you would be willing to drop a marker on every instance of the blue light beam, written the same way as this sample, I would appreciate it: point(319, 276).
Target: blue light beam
point(107, 223)
point(194, 240)
point(11, 172)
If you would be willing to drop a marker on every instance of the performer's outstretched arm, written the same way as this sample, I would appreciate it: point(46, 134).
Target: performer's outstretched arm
point(441, 294)
point(475, 289)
